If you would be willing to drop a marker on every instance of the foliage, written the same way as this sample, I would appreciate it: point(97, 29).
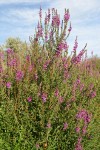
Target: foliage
point(49, 100)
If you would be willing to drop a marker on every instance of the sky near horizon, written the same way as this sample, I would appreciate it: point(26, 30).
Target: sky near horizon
point(18, 18)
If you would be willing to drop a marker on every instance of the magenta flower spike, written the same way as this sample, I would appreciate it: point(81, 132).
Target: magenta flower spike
point(13, 62)
point(8, 85)
point(10, 51)
point(29, 99)
point(77, 129)
point(19, 75)
point(79, 145)
point(55, 21)
point(56, 92)
point(44, 97)
point(70, 28)
point(93, 94)
point(65, 126)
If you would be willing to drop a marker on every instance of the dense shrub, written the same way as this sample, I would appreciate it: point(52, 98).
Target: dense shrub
point(49, 99)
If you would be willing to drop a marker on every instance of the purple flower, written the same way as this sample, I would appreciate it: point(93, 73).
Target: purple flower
point(51, 34)
point(66, 16)
point(28, 58)
point(46, 37)
point(83, 114)
point(30, 68)
point(79, 140)
point(55, 21)
point(64, 60)
point(88, 118)
point(29, 99)
point(60, 99)
point(13, 62)
point(70, 28)
point(8, 85)
point(19, 75)
point(79, 145)
point(65, 65)
point(61, 46)
point(36, 76)
point(46, 64)
point(40, 31)
point(66, 74)
point(40, 13)
point(77, 129)
point(48, 125)
point(10, 51)
point(78, 81)
point(81, 87)
point(56, 92)
point(47, 17)
point(65, 126)
point(77, 59)
point(93, 94)
point(44, 97)
point(75, 45)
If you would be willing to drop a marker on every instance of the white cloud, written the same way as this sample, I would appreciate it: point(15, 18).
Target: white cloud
point(24, 15)
point(21, 1)
point(22, 23)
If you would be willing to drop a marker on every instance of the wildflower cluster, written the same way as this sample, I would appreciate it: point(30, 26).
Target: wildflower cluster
point(45, 98)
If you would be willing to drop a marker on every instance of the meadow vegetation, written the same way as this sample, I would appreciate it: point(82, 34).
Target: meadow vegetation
point(48, 98)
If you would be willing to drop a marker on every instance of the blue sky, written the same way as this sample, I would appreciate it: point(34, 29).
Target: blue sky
point(18, 18)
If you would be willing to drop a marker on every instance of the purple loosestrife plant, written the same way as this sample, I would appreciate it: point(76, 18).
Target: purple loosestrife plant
point(19, 75)
point(70, 28)
point(55, 21)
point(77, 129)
point(60, 99)
point(44, 97)
point(75, 45)
point(66, 16)
point(12, 62)
point(45, 65)
point(65, 126)
point(8, 85)
point(93, 94)
point(40, 31)
point(83, 114)
point(29, 99)
point(52, 99)
point(56, 92)
point(79, 145)
point(10, 51)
